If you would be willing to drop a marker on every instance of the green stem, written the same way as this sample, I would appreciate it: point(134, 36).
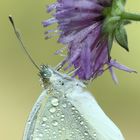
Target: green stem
point(130, 16)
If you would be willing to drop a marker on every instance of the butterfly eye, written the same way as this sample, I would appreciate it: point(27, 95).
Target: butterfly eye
point(46, 75)
point(45, 72)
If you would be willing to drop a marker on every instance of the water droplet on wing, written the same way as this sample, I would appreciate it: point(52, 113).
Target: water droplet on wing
point(64, 105)
point(54, 123)
point(86, 133)
point(52, 110)
point(44, 119)
point(54, 102)
point(40, 135)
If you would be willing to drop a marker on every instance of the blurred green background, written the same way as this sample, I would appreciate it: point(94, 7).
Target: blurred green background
point(19, 83)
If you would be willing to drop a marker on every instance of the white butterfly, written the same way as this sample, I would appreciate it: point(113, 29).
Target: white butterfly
point(65, 110)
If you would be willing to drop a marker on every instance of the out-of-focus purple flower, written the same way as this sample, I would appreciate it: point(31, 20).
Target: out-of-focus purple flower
point(80, 23)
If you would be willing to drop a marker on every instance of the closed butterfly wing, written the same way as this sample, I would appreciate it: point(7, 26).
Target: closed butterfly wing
point(65, 111)
point(57, 119)
point(105, 129)
point(31, 122)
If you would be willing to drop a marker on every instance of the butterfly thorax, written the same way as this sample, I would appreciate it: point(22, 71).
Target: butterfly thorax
point(51, 78)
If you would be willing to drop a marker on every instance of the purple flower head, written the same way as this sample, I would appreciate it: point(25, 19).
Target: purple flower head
point(88, 28)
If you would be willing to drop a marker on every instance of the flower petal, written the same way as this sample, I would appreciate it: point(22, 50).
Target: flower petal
point(114, 77)
point(119, 66)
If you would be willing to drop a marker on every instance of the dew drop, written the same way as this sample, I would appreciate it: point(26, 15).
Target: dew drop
point(59, 135)
point(58, 114)
point(43, 124)
point(49, 90)
point(47, 126)
point(94, 134)
point(44, 119)
point(79, 117)
point(70, 135)
point(62, 119)
point(81, 122)
point(40, 135)
point(85, 126)
point(73, 108)
point(52, 116)
point(72, 132)
point(57, 92)
point(52, 110)
point(76, 111)
point(86, 133)
point(29, 122)
point(54, 136)
point(54, 123)
point(54, 102)
point(64, 105)
point(63, 129)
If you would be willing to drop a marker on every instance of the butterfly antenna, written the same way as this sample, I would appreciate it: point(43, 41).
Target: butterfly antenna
point(21, 42)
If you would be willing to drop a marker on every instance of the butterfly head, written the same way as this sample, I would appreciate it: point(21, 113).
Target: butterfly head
point(45, 74)
point(55, 79)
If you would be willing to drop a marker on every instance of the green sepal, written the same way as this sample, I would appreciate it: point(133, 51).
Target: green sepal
point(110, 42)
point(110, 24)
point(121, 37)
point(117, 7)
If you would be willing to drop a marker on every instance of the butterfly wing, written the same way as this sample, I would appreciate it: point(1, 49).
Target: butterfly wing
point(67, 112)
point(87, 105)
point(55, 118)
point(31, 122)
